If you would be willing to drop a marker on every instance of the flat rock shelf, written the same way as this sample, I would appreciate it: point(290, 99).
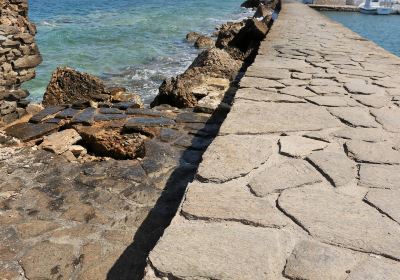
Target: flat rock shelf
point(302, 181)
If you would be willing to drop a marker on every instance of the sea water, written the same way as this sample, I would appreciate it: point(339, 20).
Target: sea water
point(383, 30)
point(131, 43)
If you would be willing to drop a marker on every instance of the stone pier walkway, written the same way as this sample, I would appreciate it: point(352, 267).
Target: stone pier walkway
point(303, 181)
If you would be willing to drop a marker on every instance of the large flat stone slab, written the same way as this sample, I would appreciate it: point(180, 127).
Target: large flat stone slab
point(376, 269)
point(313, 261)
point(354, 116)
point(343, 220)
point(380, 176)
point(382, 152)
point(388, 118)
point(200, 250)
point(386, 201)
point(231, 201)
point(28, 131)
point(298, 146)
point(337, 168)
point(282, 173)
point(233, 156)
point(276, 117)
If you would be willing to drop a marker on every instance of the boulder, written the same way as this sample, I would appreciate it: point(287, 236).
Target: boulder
point(68, 86)
point(204, 42)
point(60, 142)
point(192, 36)
point(178, 91)
point(262, 11)
point(251, 3)
point(227, 32)
point(112, 143)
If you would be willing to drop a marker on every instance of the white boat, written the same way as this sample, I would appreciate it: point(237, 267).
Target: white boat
point(384, 7)
point(369, 7)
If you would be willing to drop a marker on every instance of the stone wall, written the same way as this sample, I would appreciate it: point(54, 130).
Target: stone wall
point(19, 55)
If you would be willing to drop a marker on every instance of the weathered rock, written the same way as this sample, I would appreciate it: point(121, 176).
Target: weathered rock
point(297, 146)
point(178, 252)
point(68, 86)
point(337, 168)
point(45, 113)
point(227, 32)
point(262, 11)
point(85, 117)
point(60, 142)
point(233, 156)
point(380, 176)
point(178, 91)
point(281, 173)
point(111, 143)
point(251, 3)
point(46, 258)
point(343, 220)
point(28, 61)
point(33, 108)
point(204, 42)
point(231, 202)
point(373, 152)
point(192, 36)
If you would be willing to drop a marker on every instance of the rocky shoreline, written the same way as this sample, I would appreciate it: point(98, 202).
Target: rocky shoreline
point(93, 178)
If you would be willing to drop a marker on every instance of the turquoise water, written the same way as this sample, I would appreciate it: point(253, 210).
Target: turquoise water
point(383, 30)
point(134, 43)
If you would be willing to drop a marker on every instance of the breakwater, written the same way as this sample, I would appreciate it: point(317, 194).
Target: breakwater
point(91, 181)
point(301, 181)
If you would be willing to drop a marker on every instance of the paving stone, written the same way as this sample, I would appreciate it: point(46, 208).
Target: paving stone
point(297, 91)
point(376, 269)
point(375, 100)
point(386, 201)
point(301, 76)
point(364, 134)
point(382, 152)
point(343, 220)
point(266, 96)
point(293, 82)
point(192, 118)
point(146, 112)
point(380, 176)
point(48, 111)
point(278, 117)
point(281, 173)
point(332, 101)
point(60, 142)
point(46, 258)
point(361, 87)
point(297, 146)
point(252, 82)
point(267, 73)
point(354, 116)
point(313, 260)
point(233, 156)
point(324, 82)
point(337, 168)
point(85, 117)
point(230, 201)
point(327, 90)
point(28, 131)
point(193, 142)
point(189, 251)
point(388, 118)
